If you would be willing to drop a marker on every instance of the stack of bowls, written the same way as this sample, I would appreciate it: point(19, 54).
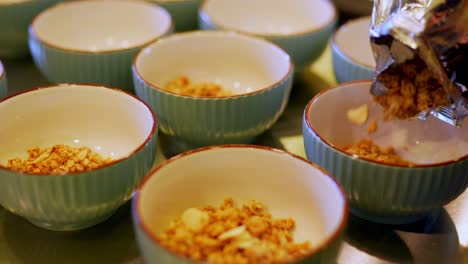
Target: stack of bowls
point(381, 191)
point(15, 18)
point(301, 27)
point(95, 41)
point(351, 51)
point(110, 122)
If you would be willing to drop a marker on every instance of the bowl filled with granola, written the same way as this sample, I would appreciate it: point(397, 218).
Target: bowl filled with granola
point(268, 207)
point(74, 154)
point(393, 170)
point(301, 27)
point(223, 87)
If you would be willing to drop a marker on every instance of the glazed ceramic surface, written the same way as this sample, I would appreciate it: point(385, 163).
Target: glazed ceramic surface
point(95, 41)
point(384, 192)
point(184, 13)
point(257, 72)
point(351, 51)
point(314, 200)
point(15, 17)
point(109, 121)
point(301, 27)
point(3, 82)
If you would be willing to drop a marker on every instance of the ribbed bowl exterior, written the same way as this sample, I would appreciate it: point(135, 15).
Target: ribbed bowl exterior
point(303, 48)
point(213, 121)
point(184, 13)
point(112, 68)
point(75, 201)
point(15, 20)
point(388, 194)
point(3, 85)
point(347, 70)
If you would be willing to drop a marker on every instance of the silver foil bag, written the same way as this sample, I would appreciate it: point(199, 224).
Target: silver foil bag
point(432, 37)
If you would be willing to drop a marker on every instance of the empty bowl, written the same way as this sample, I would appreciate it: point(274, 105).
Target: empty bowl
point(95, 41)
point(256, 72)
point(184, 13)
point(351, 51)
point(386, 192)
point(15, 17)
point(108, 121)
point(301, 27)
point(3, 82)
point(289, 186)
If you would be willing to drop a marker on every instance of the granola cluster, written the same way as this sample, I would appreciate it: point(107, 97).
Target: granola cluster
point(228, 234)
point(366, 148)
point(183, 86)
point(412, 89)
point(58, 160)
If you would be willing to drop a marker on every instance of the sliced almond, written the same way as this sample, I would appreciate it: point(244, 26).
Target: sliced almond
point(195, 219)
point(358, 115)
point(232, 233)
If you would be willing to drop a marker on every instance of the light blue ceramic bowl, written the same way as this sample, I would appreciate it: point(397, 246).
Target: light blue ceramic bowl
point(385, 192)
point(95, 41)
point(301, 27)
point(184, 13)
point(3, 82)
point(109, 121)
point(314, 199)
point(258, 72)
point(15, 17)
point(351, 51)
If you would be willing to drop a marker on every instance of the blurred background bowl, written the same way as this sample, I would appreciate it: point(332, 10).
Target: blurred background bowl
point(289, 186)
point(379, 191)
point(184, 13)
point(355, 7)
point(301, 27)
point(257, 72)
point(351, 51)
point(109, 121)
point(3, 82)
point(15, 17)
point(95, 41)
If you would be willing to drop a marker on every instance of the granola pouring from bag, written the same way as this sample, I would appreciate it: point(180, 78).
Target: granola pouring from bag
point(420, 48)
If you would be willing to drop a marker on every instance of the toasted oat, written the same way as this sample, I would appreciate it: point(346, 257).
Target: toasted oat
point(358, 115)
point(233, 235)
point(366, 148)
point(412, 89)
point(372, 127)
point(183, 86)
point(58, 160)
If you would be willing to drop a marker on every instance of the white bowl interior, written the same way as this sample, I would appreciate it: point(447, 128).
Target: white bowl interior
point(288, 186)
point(239, 63)
point(108, 121)
point(353, 40)
point(270, 17)
point(424, 142)
point(101, 25)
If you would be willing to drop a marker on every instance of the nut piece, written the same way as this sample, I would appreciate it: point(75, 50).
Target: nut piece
point(358, 115)
point(195, 219)
point(232, 233)
point(372, 127)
